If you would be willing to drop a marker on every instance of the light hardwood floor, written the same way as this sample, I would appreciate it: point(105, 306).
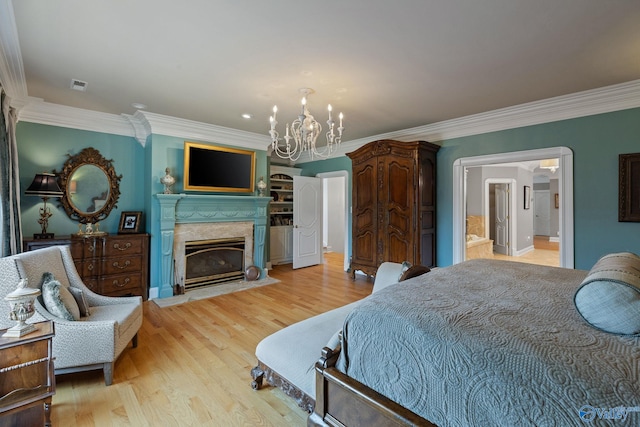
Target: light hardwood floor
point(191, 367)
point(544, 253)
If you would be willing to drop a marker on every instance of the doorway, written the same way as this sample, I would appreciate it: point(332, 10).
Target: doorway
point(336, 213)
point(565, 191)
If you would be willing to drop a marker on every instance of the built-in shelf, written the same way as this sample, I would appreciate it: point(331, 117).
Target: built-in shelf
point(281, 213)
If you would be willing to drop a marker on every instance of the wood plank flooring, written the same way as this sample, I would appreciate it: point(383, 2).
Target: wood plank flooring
point(191, 367)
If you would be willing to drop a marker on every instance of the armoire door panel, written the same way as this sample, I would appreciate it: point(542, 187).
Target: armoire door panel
point(364, 248)
point(399, 221)
point(399, 183)
point(365, 192)
point(364, 218)
point(399, 249)
point(427, 187)
point(427, 220)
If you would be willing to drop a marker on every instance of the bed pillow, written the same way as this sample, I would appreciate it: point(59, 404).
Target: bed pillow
point(609, 297)
point(81, 300)
point(58, 300)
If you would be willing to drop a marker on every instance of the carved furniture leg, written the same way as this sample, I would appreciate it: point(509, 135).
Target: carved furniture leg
point(258, 375)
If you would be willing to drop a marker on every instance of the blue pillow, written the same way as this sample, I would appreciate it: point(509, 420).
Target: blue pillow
point(58, 300)
point(609, 297)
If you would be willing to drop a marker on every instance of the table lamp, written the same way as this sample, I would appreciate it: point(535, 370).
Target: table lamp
point(44, 185)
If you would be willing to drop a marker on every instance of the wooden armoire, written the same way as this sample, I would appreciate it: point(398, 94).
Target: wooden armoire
point(394, 204)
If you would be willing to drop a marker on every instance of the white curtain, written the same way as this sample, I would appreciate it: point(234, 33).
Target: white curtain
point(11, 229)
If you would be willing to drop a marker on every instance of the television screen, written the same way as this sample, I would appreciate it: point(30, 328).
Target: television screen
point(213, 168)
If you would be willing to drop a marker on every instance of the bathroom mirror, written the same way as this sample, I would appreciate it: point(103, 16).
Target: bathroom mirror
point(91, 186)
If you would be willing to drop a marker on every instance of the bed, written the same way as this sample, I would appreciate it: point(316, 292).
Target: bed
point(485, 342)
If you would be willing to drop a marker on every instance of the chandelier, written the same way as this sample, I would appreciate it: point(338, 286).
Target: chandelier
point(303, 134)
point(551, 164)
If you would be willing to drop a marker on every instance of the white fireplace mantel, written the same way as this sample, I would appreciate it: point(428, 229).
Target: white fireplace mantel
point(206, 208)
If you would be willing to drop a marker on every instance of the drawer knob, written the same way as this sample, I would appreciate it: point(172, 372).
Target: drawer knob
point(126, 246)
point(116, 264)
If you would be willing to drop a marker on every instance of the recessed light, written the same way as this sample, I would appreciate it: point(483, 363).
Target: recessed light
point(138, 106)
point(247, 116)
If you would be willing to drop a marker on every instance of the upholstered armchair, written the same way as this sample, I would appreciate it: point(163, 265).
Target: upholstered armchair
point(92, 342)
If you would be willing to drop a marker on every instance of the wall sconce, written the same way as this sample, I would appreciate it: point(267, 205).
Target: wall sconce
point(73, 186)
point(44, 185)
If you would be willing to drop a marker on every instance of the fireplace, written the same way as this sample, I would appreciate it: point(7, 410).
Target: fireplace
point(208, 262)
point(191, 217)
point(206, 254)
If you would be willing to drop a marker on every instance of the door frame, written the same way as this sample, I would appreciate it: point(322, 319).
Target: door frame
point(565, 190)
point(513, 207)
point(347, 234)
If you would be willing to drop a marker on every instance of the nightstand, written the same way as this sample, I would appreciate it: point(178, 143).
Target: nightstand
point(27, 381)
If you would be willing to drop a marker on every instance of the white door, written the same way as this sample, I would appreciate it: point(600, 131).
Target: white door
point(307, 221)
point(542, 209)
point(501, 242)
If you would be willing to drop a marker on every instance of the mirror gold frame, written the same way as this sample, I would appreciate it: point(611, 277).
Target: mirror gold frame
point(89, 156)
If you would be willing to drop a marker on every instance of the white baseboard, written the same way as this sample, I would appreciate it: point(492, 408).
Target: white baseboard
point(523, 251)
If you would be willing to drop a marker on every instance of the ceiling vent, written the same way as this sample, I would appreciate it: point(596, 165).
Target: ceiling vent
point(78, 85)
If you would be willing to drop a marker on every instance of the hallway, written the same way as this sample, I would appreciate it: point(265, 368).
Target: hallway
point(544, 253)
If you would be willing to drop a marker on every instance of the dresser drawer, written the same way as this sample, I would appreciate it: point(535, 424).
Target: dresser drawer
point(34, 372)
point(121, 284)
point(86, 247)
point(118, 246)
point(121, 265)
point(87, 269)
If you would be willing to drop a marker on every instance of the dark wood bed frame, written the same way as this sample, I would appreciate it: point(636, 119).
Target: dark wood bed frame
point(343, 401)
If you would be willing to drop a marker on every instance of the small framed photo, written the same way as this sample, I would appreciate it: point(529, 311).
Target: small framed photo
point(130, 222)
point(527, 197)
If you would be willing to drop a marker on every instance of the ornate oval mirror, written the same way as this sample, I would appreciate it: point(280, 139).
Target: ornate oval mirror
point(90, 185)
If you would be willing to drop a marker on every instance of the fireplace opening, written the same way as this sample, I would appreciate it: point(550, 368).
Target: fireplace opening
point(209, 262)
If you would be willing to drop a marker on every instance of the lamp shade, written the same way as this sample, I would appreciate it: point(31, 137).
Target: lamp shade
point(44, 185)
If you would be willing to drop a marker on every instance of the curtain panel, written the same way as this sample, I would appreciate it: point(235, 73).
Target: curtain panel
point(11, 228)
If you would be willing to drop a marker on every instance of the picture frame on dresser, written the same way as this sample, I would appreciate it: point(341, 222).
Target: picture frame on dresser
point(130, 222)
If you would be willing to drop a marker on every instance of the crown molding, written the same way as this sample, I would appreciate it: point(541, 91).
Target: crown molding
point(189, 129)
point(581, 104)
point(142, 124)
point(11, 65)
point(38, 111)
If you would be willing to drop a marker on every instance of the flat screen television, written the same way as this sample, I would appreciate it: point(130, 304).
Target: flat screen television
point(220, 169)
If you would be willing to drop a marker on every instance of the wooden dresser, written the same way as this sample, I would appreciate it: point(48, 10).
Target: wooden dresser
point(113, 265)
point(27, 381)
point(394, 204)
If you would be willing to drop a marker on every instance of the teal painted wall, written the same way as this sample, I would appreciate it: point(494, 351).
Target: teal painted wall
point(596, 142)
point(44, 148)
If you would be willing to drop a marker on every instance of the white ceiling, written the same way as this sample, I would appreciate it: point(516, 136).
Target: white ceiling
point(387, 65)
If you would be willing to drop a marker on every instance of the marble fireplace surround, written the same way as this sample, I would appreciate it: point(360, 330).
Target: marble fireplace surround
point(179, 209)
